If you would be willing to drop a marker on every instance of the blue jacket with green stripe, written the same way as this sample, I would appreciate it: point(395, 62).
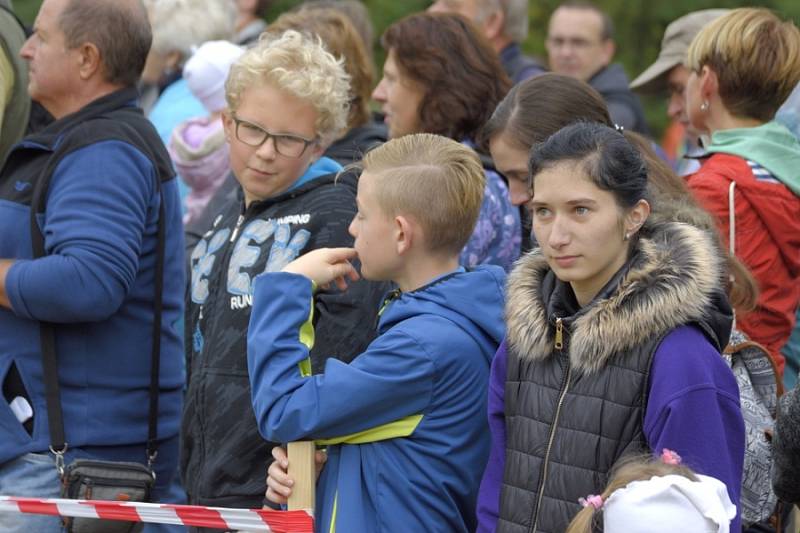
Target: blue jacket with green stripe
point(405, 422)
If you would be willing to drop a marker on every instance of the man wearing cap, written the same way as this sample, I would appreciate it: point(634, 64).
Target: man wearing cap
point(669, 75)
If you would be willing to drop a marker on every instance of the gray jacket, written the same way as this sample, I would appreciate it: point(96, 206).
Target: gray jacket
point(576, 388)
point(623, 106)
point(786, 448)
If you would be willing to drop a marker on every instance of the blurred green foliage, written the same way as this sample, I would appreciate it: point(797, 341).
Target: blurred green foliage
point(639, 25)
point(26, 9)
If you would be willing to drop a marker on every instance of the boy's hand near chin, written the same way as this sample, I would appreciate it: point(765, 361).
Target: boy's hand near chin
point(325, 266)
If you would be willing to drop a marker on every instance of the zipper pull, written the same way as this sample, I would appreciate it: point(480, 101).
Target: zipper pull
point(559, 335)
point(236, 229)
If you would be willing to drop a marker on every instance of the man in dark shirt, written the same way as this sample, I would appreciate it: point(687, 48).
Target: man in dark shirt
point(580, 43)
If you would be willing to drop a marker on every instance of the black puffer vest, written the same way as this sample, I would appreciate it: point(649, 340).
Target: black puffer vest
point(577, 383)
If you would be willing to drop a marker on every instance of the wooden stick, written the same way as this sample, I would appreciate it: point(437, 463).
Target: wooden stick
point(303, 471)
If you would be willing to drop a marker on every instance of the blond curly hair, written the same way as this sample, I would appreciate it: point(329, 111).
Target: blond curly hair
point(301, 66)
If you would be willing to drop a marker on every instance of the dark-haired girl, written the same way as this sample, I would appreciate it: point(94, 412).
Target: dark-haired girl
point(614, 331)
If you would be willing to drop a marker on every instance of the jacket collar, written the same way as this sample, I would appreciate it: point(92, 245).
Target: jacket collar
point(110, 102)
point(674, 278)
point(323, 171)
point(771, 145)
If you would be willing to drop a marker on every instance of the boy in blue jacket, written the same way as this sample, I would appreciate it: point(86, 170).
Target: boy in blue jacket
point(404, 422)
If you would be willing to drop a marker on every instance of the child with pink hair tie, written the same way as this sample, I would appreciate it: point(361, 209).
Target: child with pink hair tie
point(654, 496)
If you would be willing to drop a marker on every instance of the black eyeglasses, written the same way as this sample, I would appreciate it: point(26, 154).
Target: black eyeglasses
point(285, 144)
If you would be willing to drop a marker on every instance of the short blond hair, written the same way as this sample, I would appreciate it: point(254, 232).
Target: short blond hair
point(756, 57)
point(436, 181)
point(301, 66)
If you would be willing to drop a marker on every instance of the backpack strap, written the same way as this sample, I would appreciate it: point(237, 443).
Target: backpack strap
point(731, 349)
point(732, 232)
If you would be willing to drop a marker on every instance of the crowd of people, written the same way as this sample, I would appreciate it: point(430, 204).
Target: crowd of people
point(490, 296)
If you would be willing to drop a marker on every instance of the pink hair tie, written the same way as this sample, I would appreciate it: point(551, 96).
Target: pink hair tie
point(668, 457)
point(595, 500)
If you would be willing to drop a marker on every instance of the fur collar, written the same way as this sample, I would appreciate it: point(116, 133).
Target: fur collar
point(672, 281)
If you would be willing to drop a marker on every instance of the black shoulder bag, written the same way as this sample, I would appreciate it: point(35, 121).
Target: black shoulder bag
point(88, 479)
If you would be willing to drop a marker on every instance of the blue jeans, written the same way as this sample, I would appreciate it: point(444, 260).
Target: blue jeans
point(34, 475)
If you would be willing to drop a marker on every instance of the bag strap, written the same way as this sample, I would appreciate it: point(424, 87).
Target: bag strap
point(58, 444)
point(732, 242)
point(731, 349)
point(732, 231)
point(155, 353)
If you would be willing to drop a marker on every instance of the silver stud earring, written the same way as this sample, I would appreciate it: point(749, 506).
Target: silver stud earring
point(704, 106)
point(627, 237)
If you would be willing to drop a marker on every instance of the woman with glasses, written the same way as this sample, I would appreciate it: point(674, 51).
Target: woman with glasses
point(287, 101)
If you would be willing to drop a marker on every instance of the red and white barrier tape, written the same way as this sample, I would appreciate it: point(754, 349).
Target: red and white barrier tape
point(162, 513)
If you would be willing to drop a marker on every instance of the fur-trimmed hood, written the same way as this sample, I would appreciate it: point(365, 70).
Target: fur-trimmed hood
point(673, 278)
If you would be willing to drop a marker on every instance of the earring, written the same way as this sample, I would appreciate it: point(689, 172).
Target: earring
point(627, 237)
point(704, 106)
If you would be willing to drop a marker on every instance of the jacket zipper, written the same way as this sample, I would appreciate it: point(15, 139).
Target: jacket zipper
point(118, 465)
point(559, 345)
point(392, 296)
point(74, 490)
point(200, 392)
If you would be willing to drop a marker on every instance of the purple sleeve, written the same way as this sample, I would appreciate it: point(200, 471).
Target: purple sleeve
point(693, 409)
point(489, 492)
point(497, 236)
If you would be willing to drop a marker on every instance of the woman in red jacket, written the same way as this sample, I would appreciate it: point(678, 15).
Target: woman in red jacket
point(744, 66)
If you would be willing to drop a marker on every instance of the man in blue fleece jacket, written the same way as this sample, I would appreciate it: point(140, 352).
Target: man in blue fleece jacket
point(95, 180)
point(405, 421)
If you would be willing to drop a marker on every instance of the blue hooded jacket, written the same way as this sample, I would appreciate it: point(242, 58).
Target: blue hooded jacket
point(405, 422)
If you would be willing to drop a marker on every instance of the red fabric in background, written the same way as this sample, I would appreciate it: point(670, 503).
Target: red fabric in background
point(767, 242)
